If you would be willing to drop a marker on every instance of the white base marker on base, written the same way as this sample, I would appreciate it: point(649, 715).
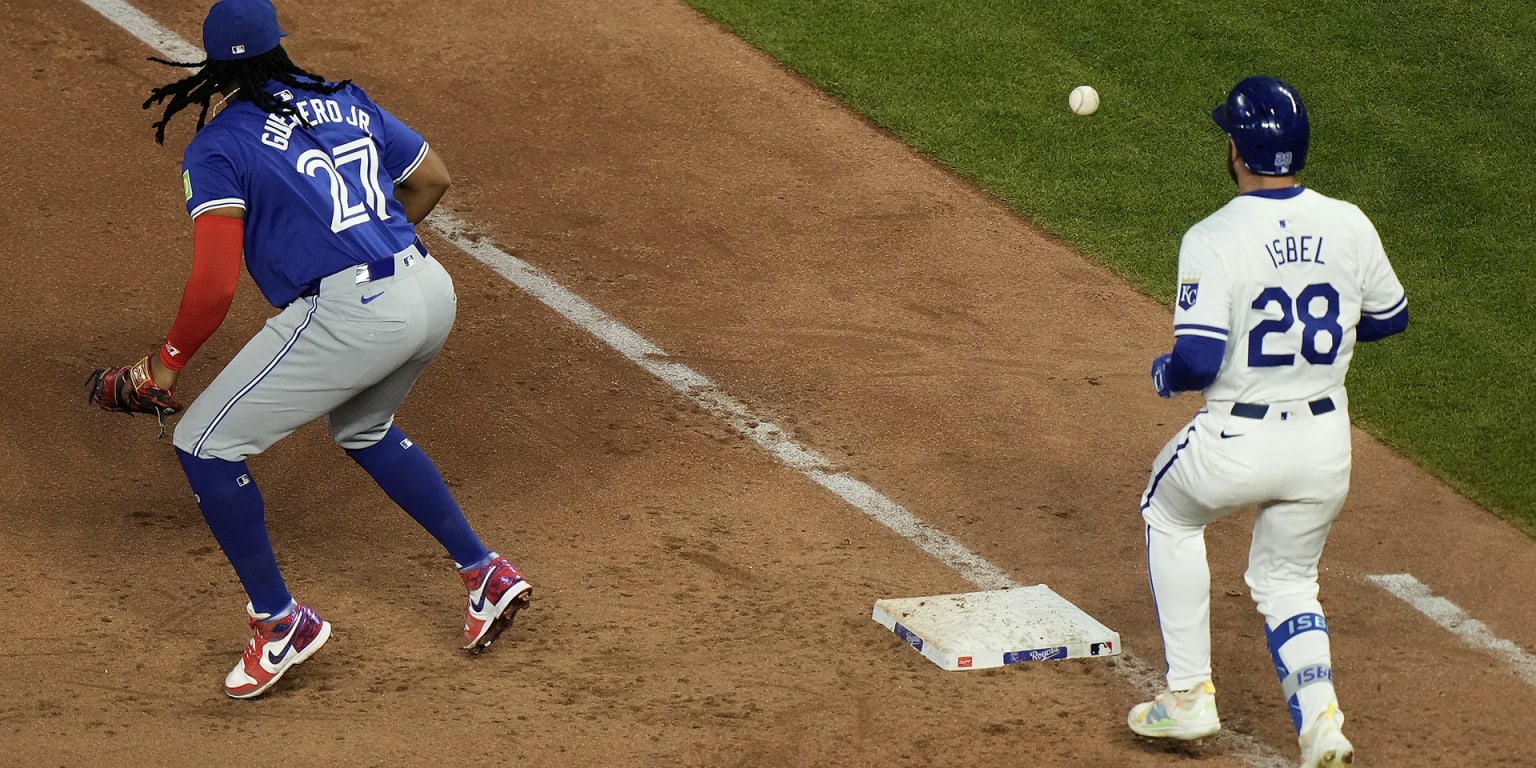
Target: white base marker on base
point(1450, 616)
point(981, 630)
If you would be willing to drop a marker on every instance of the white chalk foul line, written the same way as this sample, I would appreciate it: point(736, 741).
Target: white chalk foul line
point(1461, 624)
point(704, 392)
point(151, 32)
point(708, 395)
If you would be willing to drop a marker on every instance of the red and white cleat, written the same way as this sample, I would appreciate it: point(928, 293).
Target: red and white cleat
point(497, 591)
point(276, 645)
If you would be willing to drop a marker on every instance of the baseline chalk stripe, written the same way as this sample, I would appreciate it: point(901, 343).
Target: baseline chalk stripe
point(703, 391)
point(708, 395)
point(150, 32)
point(991, 640)
point(1451, 617)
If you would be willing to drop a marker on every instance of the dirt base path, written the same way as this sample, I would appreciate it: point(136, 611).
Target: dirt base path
point(698, 602)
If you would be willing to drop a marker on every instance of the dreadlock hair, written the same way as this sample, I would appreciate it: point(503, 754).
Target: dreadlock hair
point(247, 75)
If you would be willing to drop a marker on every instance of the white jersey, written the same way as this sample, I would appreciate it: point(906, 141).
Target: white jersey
point(1283, 276)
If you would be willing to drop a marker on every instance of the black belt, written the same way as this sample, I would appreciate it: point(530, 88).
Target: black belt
point(377, 270)
point(1255, 411)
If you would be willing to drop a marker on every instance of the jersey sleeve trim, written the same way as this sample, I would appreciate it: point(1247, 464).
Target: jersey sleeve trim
point(1194, 329)
point(1373, 329)
point(410, 169)
point(1401, 305)
point(227, 202)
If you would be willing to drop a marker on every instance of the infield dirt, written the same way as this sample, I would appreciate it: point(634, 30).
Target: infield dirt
point(697, 603)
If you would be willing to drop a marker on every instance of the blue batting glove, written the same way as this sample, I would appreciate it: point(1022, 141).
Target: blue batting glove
point(1160, 375)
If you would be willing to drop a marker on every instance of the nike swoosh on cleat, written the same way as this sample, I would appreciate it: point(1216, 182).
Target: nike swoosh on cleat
point(478, 604)
point(367, 299)
point(275, 659)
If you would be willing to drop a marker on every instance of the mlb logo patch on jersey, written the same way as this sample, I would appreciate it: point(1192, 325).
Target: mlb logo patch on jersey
point(1188, 290)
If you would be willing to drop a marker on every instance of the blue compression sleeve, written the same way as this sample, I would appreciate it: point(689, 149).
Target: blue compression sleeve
point(1373, 329)
point(1196, 361)
point(410, 478)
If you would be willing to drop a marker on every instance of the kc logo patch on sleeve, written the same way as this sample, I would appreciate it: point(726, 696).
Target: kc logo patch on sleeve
point(1188, 291)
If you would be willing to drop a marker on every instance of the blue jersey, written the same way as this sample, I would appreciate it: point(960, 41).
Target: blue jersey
point(318, 194)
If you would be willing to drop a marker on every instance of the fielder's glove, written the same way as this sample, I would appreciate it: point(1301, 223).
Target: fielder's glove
point(131, 389)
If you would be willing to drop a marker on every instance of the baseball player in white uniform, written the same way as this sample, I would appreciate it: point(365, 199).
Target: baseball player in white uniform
point(1275, 288)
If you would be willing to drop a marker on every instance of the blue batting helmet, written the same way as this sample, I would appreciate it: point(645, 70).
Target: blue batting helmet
point(1267, 121)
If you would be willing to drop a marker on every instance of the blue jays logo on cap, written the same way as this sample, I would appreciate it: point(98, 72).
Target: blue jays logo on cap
point(241, 29)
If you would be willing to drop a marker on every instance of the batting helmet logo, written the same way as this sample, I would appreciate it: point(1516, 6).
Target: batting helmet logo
point(1267, 121)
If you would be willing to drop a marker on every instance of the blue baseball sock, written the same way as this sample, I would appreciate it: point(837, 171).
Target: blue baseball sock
point(410, 478)
point(1299, 648)
point(233, 508)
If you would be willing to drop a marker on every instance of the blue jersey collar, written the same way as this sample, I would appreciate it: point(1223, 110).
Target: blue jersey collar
point(1277, 194)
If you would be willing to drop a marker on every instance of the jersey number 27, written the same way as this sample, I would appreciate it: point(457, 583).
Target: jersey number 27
point(364, 155)
point(1312, 325)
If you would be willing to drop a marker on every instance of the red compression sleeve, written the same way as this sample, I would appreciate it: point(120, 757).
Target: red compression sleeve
point(216, 247)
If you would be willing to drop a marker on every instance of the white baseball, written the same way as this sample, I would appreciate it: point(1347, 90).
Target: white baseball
point(1084, 100)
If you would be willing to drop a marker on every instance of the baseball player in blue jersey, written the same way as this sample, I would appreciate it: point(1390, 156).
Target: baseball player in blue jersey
point(1275, 288)
point(320, 189)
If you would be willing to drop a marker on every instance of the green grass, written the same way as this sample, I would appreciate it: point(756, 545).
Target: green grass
point(1423, 116)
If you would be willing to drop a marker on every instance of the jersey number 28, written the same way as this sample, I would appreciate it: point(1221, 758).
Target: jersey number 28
point(1312, 325)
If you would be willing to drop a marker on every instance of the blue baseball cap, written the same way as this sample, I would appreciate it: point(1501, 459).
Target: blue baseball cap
point(241, 29)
